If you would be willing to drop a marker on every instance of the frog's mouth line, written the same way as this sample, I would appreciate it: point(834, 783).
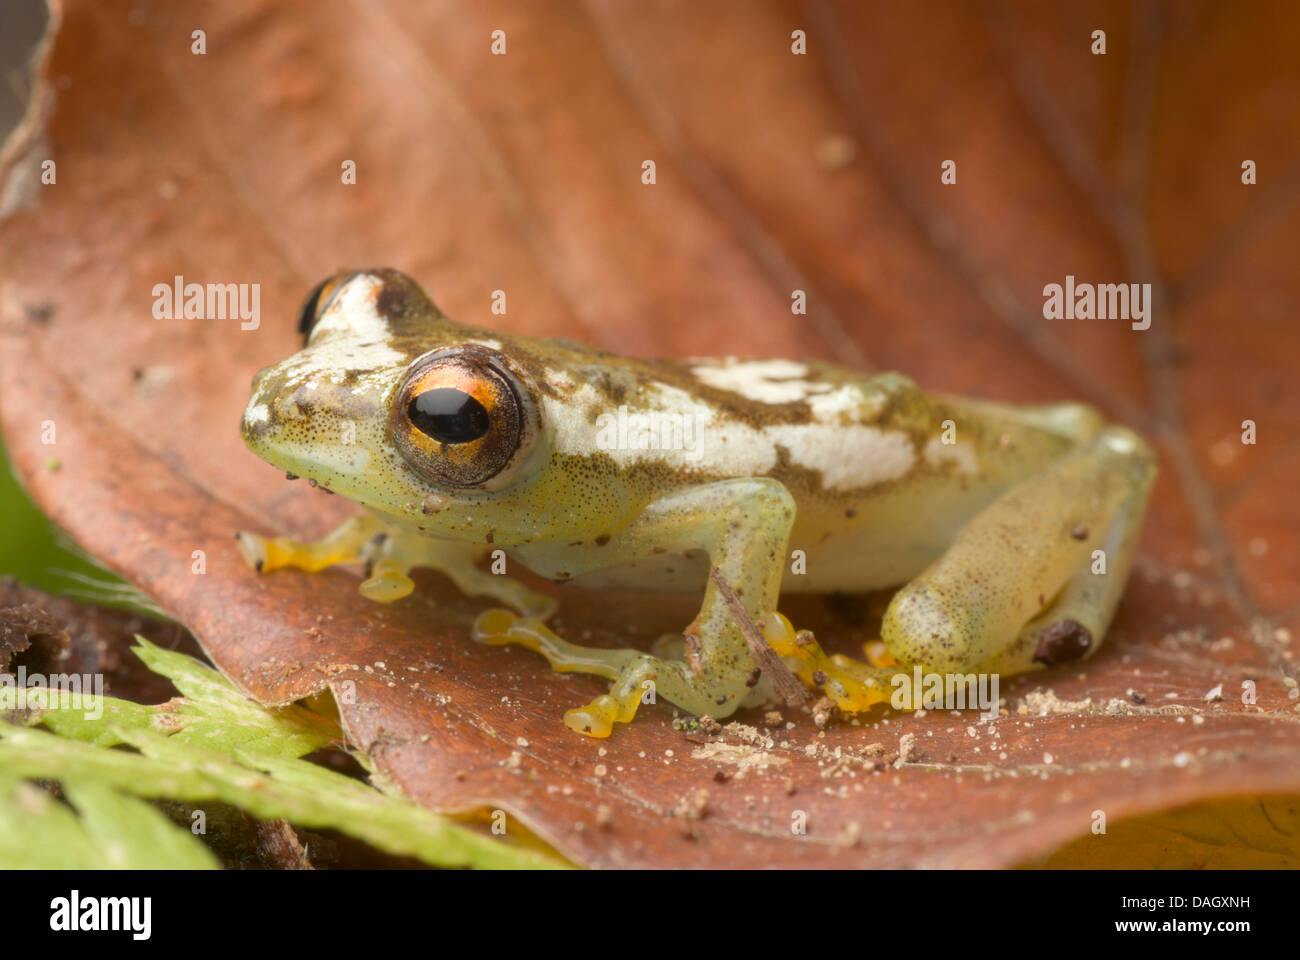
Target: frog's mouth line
point(320, 471)
point(318, 467)
point(311, 482)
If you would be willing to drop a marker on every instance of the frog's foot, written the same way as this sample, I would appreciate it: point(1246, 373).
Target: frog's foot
point(357, 540)
point(851, 685)
point(361, 539)
point(386, 581)
point(345, 544)
point(389, 554)
point(1034, 579)
point(637, 677)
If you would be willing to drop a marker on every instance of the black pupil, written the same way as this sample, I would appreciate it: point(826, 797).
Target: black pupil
point(449, 415)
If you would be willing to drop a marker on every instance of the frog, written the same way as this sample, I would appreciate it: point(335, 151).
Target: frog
point(1006, 531)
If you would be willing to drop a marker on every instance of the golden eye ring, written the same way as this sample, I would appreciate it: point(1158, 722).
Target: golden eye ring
point(459, 417)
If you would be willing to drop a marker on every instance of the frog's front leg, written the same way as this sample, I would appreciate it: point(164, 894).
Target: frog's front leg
point(389, 553)
point(744, 526)
point(344, 544)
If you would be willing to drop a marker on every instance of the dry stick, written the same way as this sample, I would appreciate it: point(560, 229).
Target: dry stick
point(786, 683)
point(278, 843)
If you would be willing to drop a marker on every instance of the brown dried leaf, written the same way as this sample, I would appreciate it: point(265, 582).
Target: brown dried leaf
point(775, 172)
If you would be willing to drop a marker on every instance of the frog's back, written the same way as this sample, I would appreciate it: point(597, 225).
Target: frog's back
point(724, 418)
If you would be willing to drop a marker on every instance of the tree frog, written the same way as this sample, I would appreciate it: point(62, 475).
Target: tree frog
point(1011, 530)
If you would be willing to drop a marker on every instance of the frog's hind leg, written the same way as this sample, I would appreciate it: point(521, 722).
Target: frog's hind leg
point(1034, 578)
point(1031, 581)
point(1073, 623)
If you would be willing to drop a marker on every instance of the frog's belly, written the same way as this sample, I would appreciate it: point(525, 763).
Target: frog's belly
point(842, 565)
point(668, 573)
point(888, 541)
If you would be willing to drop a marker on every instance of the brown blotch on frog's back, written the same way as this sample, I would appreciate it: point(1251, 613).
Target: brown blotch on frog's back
point(401, 298)
point(613, 388)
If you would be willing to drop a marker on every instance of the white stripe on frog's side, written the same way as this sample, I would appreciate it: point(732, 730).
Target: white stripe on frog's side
point(786, 381)
point(847, 456)
point(847, 403)
point(767, 381)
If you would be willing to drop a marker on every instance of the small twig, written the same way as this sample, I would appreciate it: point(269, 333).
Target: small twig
point(786, 683)
point(279, 845)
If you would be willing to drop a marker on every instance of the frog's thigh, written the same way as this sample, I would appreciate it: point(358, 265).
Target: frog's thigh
point(399, 551)
point(1074, 624)
point(1024, 565)
point(744, 525)
point(345, 544)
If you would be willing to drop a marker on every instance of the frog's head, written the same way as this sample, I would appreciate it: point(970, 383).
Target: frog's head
point(392, 404)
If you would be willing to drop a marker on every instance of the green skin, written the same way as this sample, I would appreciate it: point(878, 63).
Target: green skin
point(988, 514)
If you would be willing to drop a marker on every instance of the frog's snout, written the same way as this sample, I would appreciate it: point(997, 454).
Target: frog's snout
point(257, 415)
point(255, 423)
point(326, 429)
point(258, 425)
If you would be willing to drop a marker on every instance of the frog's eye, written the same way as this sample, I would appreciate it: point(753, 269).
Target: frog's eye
point(318, 301)
point(460, 418)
